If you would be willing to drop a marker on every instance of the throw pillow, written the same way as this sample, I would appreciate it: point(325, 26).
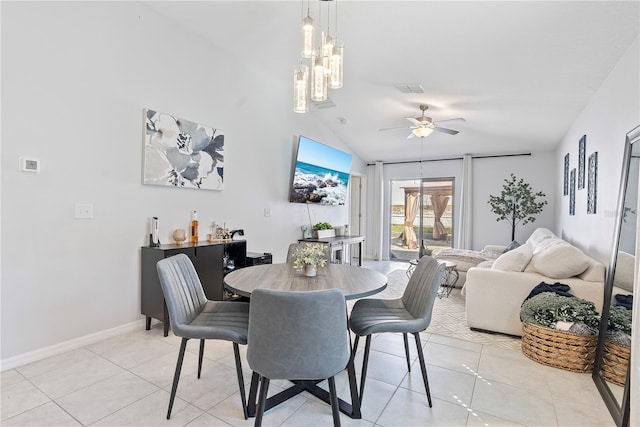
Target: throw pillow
point(539, 235)
point(514, 260)
point(560, 261)
point(624, 271)
point(511, 246)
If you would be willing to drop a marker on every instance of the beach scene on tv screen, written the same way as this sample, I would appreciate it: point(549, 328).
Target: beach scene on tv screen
point(321, 174)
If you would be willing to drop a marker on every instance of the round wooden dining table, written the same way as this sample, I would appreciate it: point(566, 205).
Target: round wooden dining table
point(355, 282)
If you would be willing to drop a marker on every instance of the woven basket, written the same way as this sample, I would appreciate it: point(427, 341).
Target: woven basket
point(560, 349)
point(615, 362)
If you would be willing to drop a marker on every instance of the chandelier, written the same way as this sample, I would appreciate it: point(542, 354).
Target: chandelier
point(326, 54)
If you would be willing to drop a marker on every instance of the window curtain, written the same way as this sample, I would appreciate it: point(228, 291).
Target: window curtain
point(378, 195)
point(411, 199)
point(464, 232)
point(439, 204)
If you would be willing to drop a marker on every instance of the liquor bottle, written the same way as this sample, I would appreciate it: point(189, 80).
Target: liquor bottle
point(194, 227)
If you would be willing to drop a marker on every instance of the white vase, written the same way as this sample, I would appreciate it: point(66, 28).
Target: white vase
point(310, 270)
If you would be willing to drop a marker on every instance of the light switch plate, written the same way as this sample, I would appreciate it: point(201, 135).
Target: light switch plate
point(84, 210)
point(29, 165)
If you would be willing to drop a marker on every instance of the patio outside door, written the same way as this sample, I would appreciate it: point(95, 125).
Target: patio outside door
point(421, 217)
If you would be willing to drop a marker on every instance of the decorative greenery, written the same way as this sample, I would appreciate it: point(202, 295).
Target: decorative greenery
point(322, 226)
point(313, 254)
point(548, 308)
point(517, 203)
point(619, 319)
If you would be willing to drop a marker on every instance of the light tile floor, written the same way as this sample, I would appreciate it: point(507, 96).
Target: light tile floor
point(125, 381)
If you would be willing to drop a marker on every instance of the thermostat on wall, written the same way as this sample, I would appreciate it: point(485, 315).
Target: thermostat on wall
point(29, 165)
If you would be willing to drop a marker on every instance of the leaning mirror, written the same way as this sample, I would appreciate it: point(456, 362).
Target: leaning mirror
point(611, 370)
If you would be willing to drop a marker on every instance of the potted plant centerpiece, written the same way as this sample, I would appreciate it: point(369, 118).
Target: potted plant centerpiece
point(308, 257)
point(323, 229)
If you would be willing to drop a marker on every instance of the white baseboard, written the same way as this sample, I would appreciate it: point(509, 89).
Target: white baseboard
point(43, 353)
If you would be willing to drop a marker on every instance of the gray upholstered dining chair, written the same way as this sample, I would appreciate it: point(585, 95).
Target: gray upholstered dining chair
point(193, 316)
point(410, 314)
point(297, 336)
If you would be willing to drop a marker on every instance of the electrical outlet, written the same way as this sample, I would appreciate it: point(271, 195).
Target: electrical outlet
point(84, 210)
point(267, 212)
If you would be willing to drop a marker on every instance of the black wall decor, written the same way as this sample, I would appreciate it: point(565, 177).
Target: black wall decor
point(582, 147)
point(572, 193)
point(566, 174)
point(592, 182)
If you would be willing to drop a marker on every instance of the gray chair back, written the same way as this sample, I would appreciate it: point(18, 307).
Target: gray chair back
point(182, 290)
point(291, 251)
point(297, 335)
point(422, 289)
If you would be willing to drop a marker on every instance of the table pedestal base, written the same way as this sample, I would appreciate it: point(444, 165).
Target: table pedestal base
point(351, 410)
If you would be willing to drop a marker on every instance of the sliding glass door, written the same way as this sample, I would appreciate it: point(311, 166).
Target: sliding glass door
point(421, 217)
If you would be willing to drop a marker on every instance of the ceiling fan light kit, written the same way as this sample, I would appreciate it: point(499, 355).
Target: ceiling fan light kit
point(423, 126)
point(327, 60)
point(422, 132)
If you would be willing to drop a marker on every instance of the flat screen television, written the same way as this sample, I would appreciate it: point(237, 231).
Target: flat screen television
point(321, 174)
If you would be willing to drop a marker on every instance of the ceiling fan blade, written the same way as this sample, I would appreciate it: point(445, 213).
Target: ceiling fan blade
point(444, 130)
point(414, 121)
point(411, 135)
point(458, 119)
point(397, 127)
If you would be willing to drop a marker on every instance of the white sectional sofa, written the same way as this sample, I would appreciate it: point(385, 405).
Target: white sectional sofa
point(495, 293)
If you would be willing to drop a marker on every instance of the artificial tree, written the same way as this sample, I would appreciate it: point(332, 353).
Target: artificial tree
point(517, 203)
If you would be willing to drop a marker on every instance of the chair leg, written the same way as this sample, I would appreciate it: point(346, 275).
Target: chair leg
point(200, 357)
point(176, 376)
point(365, 362)
point(262, 400)
point(406, 350)
point(236, 353)
point(335, 409)
point(355, 346)
point(253, 392)
point(423, 367)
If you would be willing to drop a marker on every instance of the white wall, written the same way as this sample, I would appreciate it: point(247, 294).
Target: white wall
point(612, 112)
point(75, 79)
point(488, 177)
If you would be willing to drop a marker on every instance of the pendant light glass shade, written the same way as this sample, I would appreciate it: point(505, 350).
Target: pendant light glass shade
point(336, 64)
point(318, 78)
point(327, 52)
point(308, 34)
point(422, 132)
point(300, 89)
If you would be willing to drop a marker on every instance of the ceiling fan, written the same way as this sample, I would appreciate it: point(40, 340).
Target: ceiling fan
point(423, 125)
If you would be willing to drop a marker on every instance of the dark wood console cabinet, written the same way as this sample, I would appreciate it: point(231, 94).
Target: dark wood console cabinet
point(208, 260)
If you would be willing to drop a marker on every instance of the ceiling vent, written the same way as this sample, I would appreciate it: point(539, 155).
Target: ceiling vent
point(321, 105)
point(409, 87)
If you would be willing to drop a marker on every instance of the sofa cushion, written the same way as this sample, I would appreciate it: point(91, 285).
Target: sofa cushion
point(594, 273)
point(514, 260)
point(560, 261)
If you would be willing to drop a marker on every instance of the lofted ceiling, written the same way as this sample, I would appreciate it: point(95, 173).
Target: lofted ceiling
point(518, 72)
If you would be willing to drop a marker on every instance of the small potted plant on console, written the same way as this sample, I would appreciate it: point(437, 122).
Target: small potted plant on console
point(322, 230)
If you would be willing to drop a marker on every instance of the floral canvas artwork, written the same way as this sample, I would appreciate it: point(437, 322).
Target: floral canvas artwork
point(181, 153)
